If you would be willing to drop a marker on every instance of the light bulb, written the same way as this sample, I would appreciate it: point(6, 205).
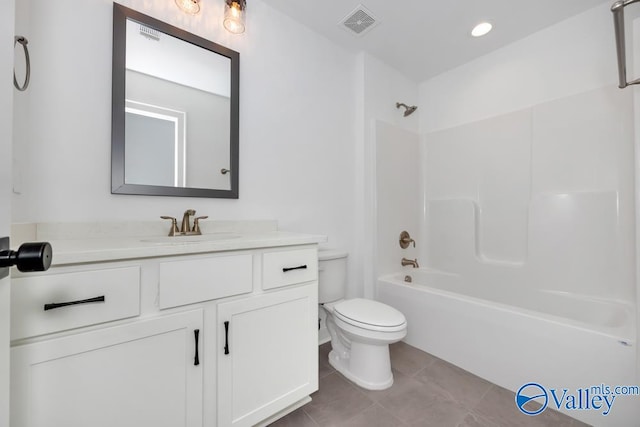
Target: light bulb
point(189, 6)
point(481, 29)
point(234, 16)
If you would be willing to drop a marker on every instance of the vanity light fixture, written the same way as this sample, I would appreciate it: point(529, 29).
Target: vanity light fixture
point(192, 7)
point(481, 29)
point(234, 15)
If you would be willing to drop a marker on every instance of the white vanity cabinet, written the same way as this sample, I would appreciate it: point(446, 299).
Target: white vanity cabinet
point(268, 343)
point(138, 374)
point(267, 354)
point(121, 348)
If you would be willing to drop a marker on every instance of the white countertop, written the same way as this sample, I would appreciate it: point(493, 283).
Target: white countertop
point(115, 249)
point(85, 243)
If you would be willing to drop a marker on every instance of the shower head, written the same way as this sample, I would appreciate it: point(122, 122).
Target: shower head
point(408, 110)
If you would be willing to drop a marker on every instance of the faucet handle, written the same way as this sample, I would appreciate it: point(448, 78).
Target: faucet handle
point(174, 225)
point(196, 224)
point(405, 240)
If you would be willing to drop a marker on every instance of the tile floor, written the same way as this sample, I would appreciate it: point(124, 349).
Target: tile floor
point(427, 391)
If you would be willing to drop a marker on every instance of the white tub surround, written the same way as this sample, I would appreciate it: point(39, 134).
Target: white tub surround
point(531, 213)
point(229, 319)
point(514, 336)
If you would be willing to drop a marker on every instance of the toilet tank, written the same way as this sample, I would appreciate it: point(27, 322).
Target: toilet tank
point(332, 275)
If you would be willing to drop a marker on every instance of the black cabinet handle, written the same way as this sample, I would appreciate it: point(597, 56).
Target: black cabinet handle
point(53, 305)
point(226, 337)
point(196, 359)
point(300, 267)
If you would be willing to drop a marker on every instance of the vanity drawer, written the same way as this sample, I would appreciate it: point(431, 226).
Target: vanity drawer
point(289, 267)
point(32, 312)
point(196, 280)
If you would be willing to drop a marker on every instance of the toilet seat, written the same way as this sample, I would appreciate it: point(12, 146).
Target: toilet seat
point(370, 315)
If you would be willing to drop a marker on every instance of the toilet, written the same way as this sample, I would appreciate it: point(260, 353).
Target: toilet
point(360, 329)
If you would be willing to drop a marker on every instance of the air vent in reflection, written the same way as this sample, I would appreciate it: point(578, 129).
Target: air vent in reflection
point(150, 33)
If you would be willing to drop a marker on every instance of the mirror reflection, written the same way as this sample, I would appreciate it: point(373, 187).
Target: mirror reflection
point(175, 111)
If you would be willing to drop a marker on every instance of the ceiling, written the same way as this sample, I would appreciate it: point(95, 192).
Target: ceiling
point(423, 38)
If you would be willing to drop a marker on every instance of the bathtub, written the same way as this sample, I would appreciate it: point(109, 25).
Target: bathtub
point(556, 339)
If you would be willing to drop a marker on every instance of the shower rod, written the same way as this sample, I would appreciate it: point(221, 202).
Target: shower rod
point(618, 20)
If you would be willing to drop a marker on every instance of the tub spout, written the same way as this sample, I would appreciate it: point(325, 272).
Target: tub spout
point(411, 262)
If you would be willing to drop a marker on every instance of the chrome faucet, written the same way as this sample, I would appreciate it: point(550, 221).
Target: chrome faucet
point(411, 262)
point(185, 229)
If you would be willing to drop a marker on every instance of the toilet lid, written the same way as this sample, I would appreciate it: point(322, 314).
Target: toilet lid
point(369, 314)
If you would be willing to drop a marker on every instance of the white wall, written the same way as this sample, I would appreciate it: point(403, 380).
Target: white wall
point(6, 96)
point(381, 86)
point(297, 112)
point(398, 201)
point(384, 86)
point(636, 103)
point(571, 57)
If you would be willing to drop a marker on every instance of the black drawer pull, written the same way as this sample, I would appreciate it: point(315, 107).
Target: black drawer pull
point(226, 337)
point(196, 359)
point(300, 267)
point(53, 305)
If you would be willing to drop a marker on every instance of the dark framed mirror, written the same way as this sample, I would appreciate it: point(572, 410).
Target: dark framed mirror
point(175, 111)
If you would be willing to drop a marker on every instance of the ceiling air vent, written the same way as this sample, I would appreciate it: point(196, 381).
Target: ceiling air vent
point(359, 22)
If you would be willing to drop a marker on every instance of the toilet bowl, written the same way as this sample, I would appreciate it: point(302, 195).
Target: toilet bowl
point(360, 329)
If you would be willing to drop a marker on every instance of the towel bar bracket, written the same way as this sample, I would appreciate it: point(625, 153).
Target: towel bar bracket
point(618, 20)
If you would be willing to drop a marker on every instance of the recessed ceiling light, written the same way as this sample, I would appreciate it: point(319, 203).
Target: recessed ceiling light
point(481, 29)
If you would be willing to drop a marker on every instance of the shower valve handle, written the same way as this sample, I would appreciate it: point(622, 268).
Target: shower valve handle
point(405, 240)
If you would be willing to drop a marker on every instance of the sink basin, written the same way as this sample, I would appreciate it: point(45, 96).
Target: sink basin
point(190, 239)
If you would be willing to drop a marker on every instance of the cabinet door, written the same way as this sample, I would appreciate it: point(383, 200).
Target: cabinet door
point(271, 356)
point(140, 374)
